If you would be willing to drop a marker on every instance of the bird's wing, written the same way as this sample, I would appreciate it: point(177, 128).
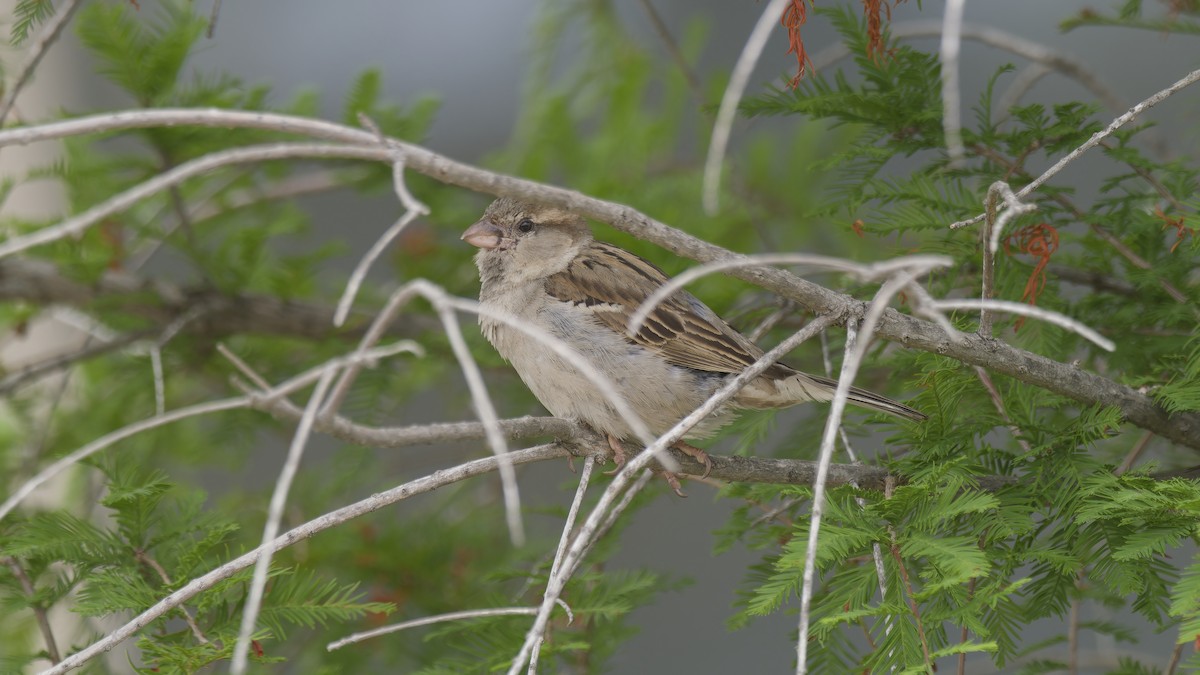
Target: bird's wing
point(612, 283)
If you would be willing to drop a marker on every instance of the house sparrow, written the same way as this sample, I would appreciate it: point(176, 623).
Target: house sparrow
point(542, 265)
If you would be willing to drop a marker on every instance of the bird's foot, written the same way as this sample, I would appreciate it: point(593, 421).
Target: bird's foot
point(673, 481)
point(696, 454)
point(618, 454)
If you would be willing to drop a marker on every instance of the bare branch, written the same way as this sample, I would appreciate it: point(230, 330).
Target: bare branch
point(1134, 453)
point(283, 485)
point(862, 271)
point(262, 153)
point(995, 223)
point(491, 422)
point(34, 371)
point(39, 612)
point(876, 549)
point(1117, 123)
point(429, 620)
point(664, 34)
point(153, 564)
point(40, 282)
point(581, 440)
point(413, 208)
point(998, 402)
point(568, 528)
point(298, 382)
point(729, 102)
point(212, 19)
point(855, 350)
point(951, 96)
point(1035, 312)
point(37, 50)
point(520, 429)
point(109, 439)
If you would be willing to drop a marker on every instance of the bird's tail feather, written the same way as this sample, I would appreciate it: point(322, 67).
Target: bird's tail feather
point(805, 387)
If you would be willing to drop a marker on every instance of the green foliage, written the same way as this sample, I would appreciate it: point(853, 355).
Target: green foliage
point(26, 16)
point(967, 567)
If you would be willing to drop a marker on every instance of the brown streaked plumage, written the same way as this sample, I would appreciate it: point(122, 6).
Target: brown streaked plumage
point(542, 265)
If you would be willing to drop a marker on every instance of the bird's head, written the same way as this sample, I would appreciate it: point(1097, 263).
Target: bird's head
point(524, 241)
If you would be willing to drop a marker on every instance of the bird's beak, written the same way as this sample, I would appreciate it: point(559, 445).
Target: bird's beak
point(486, 235)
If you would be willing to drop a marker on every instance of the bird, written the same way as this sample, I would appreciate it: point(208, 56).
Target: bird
point(542, 265)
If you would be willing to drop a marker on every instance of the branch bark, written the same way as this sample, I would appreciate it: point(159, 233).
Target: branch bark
point(41, 282)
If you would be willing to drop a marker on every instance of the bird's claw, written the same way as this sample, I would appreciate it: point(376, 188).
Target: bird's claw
point(618, 454)
point(696, 454)
point(673, 481)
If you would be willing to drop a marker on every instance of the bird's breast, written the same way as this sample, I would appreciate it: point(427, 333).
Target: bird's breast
point(660, 393)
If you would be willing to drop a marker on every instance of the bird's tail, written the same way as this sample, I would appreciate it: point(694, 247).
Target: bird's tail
point(805, 387)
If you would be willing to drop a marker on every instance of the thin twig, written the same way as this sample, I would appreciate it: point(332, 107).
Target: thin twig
point(1100, 231)
point(491, 422)
point(951, 96)
point(727, 468)
point(426, 621)
point(964, 634)
point(39, 613)
point(1117, 123)
point(160, 387)
point(153, 564)
point(912, 600)
point(75, 225)
point(850, 365)
point(1073, 634)
point(998, 402)
point(771, 321)
point(1173, 663)
point(618, 509)
point(664, 34)
point(298, 382)
point(729, 101)
point(991, 206)
point(109, 439)
point(1048, 316)
point(37, 50)
point(33, 372)
point(159, 302)
point(413, 209)
point(568, 529)
point(283, 485)
point(876, 548)
point(1134, 453)
point(373, 334)
point(865, 272)
point(212, 19)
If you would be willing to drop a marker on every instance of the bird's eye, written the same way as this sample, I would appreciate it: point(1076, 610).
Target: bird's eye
point(525, 225)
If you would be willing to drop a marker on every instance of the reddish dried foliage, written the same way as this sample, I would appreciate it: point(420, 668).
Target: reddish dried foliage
point(794, 17)
point(796, 14)
point(1039, 241)
point(873, 10)
point(1181, 231)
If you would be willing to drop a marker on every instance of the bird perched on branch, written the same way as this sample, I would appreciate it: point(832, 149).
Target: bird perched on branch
point(542, 266)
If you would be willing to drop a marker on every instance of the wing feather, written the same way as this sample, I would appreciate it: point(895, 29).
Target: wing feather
point(614, 283)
